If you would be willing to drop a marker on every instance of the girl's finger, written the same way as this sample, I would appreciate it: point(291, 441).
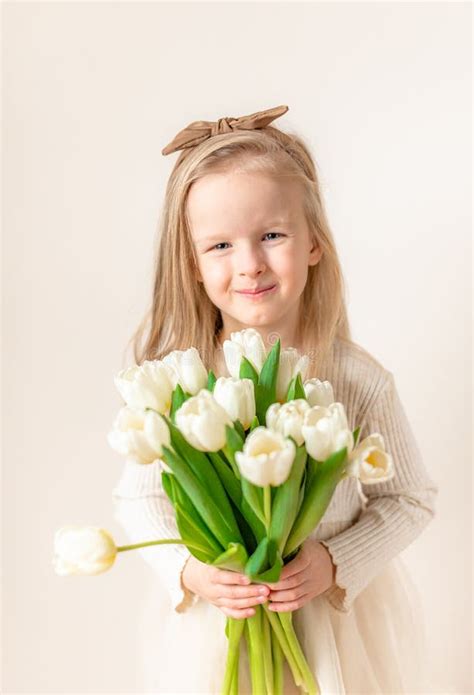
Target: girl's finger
point(243, 613)
point(228, 577)
point(290, 605)
point(238, 592)
point(300, 562)
point(288, 582)
point(238, 603)
point(289, 595)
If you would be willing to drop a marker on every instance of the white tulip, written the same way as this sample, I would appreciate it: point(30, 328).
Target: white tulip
point(83, 550)
point(266, 458)
point(287, 418)
point(325, 431)
point(146, 386)
point(139, 434)
point(370, 462)
point(318, 392)
point(202, 422)
point(237, 397)
point(247, 343)
point(291, 362)
point(187, 369)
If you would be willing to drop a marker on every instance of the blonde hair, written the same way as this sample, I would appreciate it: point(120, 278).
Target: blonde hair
point(181, 314)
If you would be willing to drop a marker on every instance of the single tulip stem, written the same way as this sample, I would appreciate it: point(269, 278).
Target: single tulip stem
point(235, 629)
point(310, 684)
point(177, 541)
point(267, 505)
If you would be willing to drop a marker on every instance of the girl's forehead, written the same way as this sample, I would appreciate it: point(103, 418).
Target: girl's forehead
point(254, 196)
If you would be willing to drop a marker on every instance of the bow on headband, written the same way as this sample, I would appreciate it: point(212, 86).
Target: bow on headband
point(198, 131)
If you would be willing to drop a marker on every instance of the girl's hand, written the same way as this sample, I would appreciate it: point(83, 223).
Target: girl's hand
point(232, 592)
point(309, 574)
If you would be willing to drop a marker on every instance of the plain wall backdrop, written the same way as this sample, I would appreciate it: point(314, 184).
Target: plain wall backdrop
point(91, 94)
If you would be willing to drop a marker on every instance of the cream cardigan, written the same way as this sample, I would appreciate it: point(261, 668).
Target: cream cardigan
point(364, 527)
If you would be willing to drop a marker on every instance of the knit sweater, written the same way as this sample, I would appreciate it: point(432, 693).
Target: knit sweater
point(364, 526)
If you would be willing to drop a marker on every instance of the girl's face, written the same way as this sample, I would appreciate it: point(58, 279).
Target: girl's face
point(249, 233)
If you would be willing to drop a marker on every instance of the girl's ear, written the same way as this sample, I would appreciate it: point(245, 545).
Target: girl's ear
point(315, 254)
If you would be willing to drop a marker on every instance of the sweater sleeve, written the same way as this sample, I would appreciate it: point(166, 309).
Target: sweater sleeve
point(144, 511)
point(395, 512)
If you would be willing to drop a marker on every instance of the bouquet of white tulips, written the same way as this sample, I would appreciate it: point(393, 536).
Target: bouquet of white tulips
point(250, 464)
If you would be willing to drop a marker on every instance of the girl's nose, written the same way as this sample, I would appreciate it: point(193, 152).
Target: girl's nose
point(250, 262)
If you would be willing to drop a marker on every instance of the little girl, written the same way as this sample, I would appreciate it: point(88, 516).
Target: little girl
point(245, 243)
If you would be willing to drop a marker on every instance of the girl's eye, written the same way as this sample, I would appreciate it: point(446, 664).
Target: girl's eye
point(223, 243)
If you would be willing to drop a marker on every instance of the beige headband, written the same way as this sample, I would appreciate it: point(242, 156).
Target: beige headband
point(198, 131)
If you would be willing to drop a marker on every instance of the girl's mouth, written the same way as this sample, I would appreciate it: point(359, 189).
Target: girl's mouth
point(261, 293)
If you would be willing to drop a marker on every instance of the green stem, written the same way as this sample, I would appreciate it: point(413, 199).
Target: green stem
point(277, 657)
point(267, 505)
point(178, 541)
point(234, 689)
point(251, 659)
point(235, 628)
point(285, 647)
point(309, 681)
point(255, 644)
point(267, 653)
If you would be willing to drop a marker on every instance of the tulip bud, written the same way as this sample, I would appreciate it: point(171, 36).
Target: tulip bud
point(370, 462)
point(287, 418)
point(202, 422)
point(325, 431)
point(247, 343)
point(187, 369)
point(146, 386)
point(237, 398)
point(266, 458)
point(83, 550)
point(139, 434)
point(318, 392)
point(291, 362)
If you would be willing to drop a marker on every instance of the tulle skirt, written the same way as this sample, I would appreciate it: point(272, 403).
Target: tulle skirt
point(378, 647)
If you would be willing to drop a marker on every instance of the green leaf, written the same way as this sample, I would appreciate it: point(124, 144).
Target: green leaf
point(258, 561)
point(234, 558)
point(248, 371)
point(255, 423)
point(227, 477)
point(239, 428)
point(355, 434)
point(254, 496)
point(209, 510)
point(234, 491)
point(273, 574)
point(266, 387)
point(290, 392)
point(211, 380)
point(186, 504)
point(235, 442)
point(178, 397)
point(167, 483)
point(295, 389)
point(258, 527)
point(192, 532)
point(285, 503)
point(250, 536)
point(266, 562)
point(202, 468)
point(324, 477)
point(299, 388)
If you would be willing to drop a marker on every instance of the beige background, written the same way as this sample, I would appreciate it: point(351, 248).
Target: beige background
point(91, 94)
